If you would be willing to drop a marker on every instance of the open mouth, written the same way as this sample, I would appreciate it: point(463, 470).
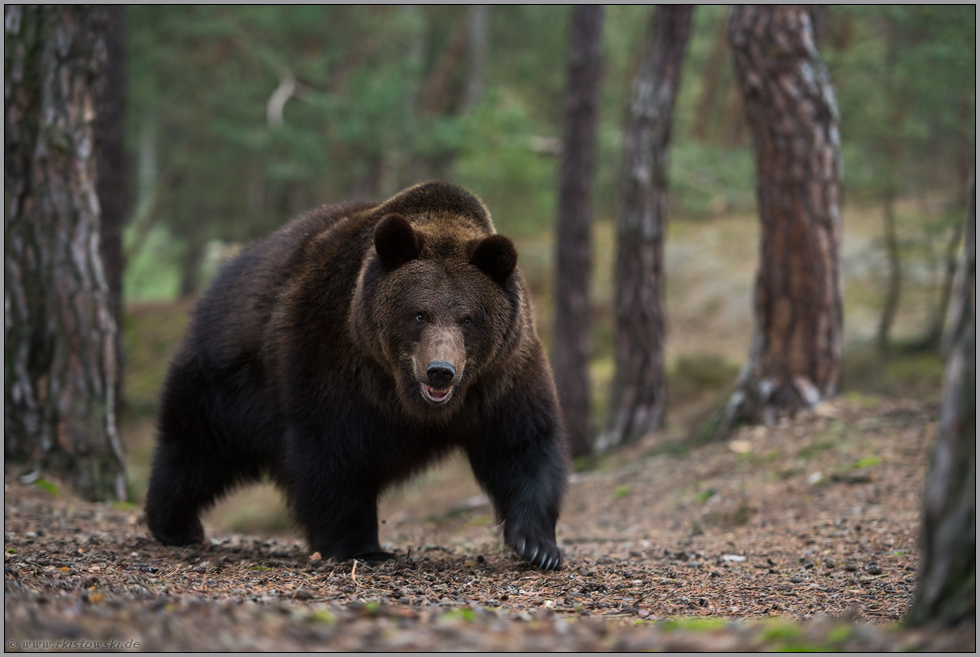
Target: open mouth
point(436, 396)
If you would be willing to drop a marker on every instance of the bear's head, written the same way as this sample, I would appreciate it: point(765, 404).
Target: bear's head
point(438, 305)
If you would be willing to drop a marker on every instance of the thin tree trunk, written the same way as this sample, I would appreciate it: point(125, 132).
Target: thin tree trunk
point(59, 332)
point(934, 336)
point(895, 152)
point(894, 292)
point(112, 181)
point(945, 593)
point(711, 84)
point(478, 24)
point(573, 346)
point(639, 384)
point(795, 360)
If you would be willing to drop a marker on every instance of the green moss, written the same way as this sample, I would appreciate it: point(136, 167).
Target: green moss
point(693, 624)
point(322, 616)
point(622, 491)
point(839, 634)
point(705, 495)
point(866, 462)
point(46, 485)
point(780, 631)
point(465, 614)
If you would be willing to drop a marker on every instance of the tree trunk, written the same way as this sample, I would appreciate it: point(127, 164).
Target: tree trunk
point(113, 185)
point(795, 359)
point(59, 333)
point(945, 594)
point(572, 345)
point(899, 106)
point(639, 385)
point(478, 24)
point(711, 85)
point(894, 292)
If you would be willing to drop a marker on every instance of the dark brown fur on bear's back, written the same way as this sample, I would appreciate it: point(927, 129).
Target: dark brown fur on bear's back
point(348, 350)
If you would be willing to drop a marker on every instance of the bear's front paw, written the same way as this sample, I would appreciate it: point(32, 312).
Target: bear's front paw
point(541, 553)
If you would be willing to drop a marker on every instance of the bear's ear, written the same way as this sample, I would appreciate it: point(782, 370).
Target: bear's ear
point(496, 257)
point(396, 241)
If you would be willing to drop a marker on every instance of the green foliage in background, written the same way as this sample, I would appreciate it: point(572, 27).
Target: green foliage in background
point(376, 105)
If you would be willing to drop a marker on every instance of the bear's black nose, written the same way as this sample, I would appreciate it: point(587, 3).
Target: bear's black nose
point(440, 374)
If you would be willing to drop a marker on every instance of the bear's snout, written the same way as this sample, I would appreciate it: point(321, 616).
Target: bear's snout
point(441, 374)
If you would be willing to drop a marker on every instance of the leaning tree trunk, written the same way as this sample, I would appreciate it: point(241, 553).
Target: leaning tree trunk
point(946, 590)
point(59, 356)
point(572, 346)
point(795, 360)
point(639, 385)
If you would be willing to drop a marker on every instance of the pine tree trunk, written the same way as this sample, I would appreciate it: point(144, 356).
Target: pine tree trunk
point(112, 185)
point(573, 346)
point(59, 333)
point(946, 590)
point(639, 385)
point(795, 360)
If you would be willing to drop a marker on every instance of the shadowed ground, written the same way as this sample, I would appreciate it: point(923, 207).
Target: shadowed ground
point(798, 535)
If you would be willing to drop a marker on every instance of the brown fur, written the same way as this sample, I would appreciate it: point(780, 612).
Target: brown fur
point(348, 350)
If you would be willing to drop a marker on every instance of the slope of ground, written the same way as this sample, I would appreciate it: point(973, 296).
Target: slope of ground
point(799, 535)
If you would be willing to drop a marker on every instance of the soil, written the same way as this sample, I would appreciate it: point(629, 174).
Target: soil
point(800, 535)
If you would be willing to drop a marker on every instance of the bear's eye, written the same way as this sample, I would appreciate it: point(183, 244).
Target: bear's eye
point(467, 321)
point(419, 317)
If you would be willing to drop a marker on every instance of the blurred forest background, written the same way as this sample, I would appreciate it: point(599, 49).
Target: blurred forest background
point(239, 118)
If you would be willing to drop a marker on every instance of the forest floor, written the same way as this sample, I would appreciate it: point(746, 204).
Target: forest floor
point(800, 535)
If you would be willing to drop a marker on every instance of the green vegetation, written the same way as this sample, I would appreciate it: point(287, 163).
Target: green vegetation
point(322, 616)
point(693, 624)
point(463, 613)
point(705, 495)
point(370, 114)
point(46, 485)
point(866, 462)
point(780, 631)
point(376, 103)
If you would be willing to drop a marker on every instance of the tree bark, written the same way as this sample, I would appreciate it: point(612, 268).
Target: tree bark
point(573, 344)
point(945, 594)
point(639, 385)
point(795, 360)
point(59, 333)
point(113, 187)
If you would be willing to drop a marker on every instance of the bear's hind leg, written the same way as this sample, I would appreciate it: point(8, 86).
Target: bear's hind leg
point(181, 485)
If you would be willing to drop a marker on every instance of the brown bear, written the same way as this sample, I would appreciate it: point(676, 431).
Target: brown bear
point(354, 346)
